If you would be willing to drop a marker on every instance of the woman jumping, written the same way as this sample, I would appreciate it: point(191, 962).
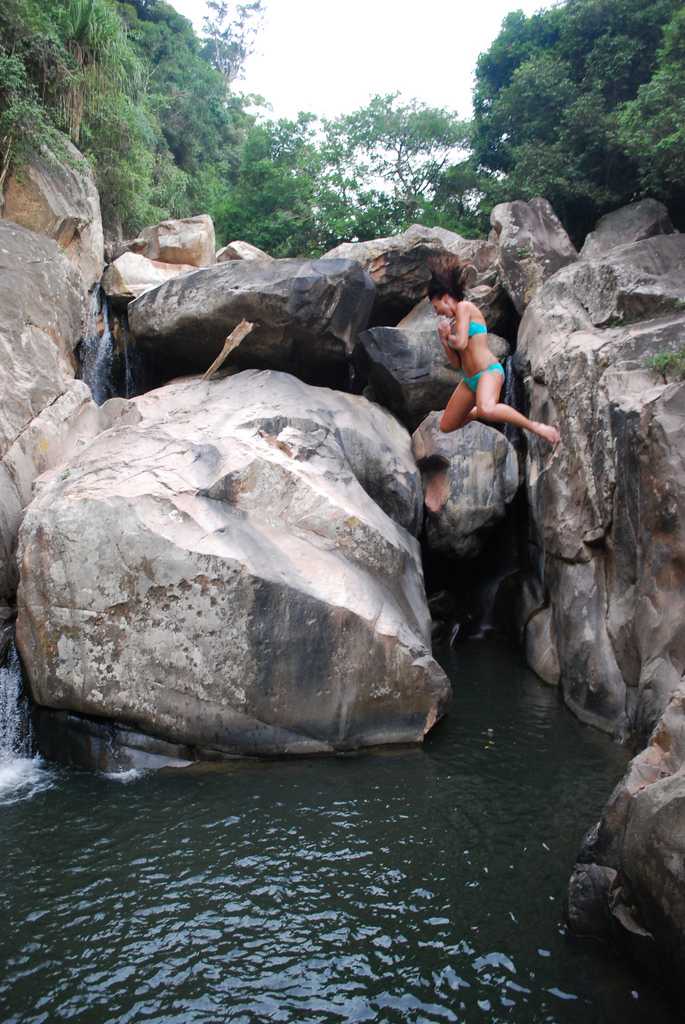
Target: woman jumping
point(463, 336)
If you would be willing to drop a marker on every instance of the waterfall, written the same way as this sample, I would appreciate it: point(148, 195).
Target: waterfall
point(15, 718)
point(97, 349)
point(21, 774)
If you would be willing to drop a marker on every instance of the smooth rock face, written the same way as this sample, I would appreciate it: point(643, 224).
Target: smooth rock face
point(637, 853)
point(41, 306)
point(400, 270)
point(187, 241)
point(608, 505)
point(238, 572)
point(241, 251)
point(406, 366)
point(469, 478)
point(533, 245)
point(59, 199)
point(130, 275)
point(632, 223)
point(307, 314)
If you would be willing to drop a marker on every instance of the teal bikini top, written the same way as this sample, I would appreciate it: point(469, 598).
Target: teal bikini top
point(476, 328)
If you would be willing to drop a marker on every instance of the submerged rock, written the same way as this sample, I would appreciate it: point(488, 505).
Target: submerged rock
point(238, 571)
point(307, 315)
point(608, 505)
point(407, 368)
point(636, 854)
point(533, 245)
point(469, 478)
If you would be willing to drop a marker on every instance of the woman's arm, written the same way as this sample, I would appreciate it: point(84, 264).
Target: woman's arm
point(459, 337)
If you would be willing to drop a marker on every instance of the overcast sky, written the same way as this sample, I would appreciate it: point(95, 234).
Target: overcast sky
point(331, 57)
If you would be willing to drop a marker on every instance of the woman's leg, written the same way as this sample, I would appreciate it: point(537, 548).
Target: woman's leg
point(458, 409)
point(488, 407)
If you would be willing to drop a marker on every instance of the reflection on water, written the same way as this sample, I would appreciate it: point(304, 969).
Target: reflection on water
point(407, 886)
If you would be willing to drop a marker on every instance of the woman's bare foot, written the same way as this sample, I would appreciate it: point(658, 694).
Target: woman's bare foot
point(550, 434)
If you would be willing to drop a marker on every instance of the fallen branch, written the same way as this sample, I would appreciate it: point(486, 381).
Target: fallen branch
point(237, 335)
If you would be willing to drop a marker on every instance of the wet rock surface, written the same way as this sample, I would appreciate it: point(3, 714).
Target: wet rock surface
point(253, 583)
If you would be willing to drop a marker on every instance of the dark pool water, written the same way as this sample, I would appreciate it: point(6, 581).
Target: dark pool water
point(411, 886)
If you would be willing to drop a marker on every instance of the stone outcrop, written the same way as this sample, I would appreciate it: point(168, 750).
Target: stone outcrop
point(469, 478)
point(57, 197)
point(400, 270)
point(130, 275)
point(253, 584)
point(629, 882)
point(533, 245)
point(44, 412)
point(241, 251)
point(406, 365)
point(189, 240)
point(307, 315)
point(632, 223)
point(608, 505)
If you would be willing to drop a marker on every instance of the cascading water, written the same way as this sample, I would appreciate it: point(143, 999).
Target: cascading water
point(97, 349)
point(15, 720)
point(21, 774)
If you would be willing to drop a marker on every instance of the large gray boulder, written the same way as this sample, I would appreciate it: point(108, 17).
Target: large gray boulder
point(608, 505)
point(307, 314)
point(630, 878)
point(470, 476)
point(41, 310)
point(632, 223)
point(406, 365)
point(400, 269)
point(57, 197)
point(237, 572)
point(533, 245)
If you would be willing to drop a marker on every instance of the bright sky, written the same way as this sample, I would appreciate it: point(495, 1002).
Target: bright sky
point(331, 57)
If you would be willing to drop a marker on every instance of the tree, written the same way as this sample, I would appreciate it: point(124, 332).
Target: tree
point(230, 35)
point(549, 98)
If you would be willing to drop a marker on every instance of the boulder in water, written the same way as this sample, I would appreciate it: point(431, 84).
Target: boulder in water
point(307, 314)
point(608, 505)
point(469, 478)
point(253, 584)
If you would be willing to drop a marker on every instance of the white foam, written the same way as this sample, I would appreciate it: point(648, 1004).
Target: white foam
point(129, 775)
point(21, 778)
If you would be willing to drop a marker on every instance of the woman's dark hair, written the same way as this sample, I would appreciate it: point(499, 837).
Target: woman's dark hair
point(448, 279)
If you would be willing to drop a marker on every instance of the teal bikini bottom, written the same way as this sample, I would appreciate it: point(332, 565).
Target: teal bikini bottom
point(472, 382)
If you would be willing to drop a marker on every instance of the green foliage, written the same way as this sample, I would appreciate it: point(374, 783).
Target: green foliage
point(555, 106)
point(669, 365)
